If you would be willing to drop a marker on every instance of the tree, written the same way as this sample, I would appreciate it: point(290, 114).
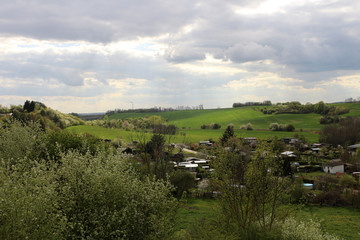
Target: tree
point(29, 106)
point(182, 181)
point(229, 133)
point(345, 132)
point(251, 188)
point(290, 128)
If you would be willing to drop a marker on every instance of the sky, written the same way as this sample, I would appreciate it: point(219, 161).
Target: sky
point(94, 55)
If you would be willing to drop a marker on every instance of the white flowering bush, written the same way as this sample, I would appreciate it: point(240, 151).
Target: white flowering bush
point(297, 230)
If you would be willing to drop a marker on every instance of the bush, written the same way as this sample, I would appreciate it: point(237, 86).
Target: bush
point(331, 198)
point(298, 192)
point(29, 206)
point(274, 127)
point(18, 141)
point(182, 181)
point(249, 126)
point(294, 230)
point(281, 127)
point(216, 126)
point(290, 128)
point(103, 198)
point(347, 181)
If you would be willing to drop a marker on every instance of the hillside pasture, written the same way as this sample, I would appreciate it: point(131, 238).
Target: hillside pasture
point(238, 116)
point(186, 136)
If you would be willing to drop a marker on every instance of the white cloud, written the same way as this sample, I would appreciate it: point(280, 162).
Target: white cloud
point(156, 52)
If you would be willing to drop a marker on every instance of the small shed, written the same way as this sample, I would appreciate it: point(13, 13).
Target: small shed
point(334, 166)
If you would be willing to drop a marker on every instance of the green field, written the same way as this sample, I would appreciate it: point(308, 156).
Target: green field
point(237, 116)
point(191, 135)
point(189, 123)
point(343, 222)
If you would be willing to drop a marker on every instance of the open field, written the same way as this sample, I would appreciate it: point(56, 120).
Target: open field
point(189, 123)
point(237, 116)
point(191, 135)
point(340, 221)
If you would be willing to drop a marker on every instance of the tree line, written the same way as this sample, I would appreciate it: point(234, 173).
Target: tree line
point(155, 109)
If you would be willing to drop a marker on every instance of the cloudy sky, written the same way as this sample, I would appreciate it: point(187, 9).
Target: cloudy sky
point(93, 56)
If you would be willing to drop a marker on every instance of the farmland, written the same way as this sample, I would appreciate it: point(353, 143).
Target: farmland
point(237, 116)
point(189, 123)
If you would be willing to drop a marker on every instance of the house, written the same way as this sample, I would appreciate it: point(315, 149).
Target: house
point(288, 154)
point(334, 166)
point(290, 140)
point(207, 143)
point(352, 148)
point(250, 139)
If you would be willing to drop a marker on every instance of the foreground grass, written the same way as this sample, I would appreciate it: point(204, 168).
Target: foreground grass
point(340, 221)
point(192, 210)
point(343, 222)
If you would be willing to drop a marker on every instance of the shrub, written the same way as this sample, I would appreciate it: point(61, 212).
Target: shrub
point(29, 206)
point(294, 230)
point(102, 197)
point(274, 127)
point(249, 126)
point(331, 198)
point(18, 141)
point(298, 192)
point(347, 181)
point(183, 181)
point(216, 126)
point(290, 128)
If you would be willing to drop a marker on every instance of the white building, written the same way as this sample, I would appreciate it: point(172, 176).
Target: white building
point(334, 166)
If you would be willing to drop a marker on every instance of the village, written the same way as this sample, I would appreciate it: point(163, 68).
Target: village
point(315, 166)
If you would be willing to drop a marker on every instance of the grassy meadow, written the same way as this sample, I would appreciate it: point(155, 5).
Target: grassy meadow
point(193, 119)
point(186, 136)
point(189, 124)
point(340, 221)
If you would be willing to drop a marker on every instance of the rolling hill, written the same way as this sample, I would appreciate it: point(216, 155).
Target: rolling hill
point(189, 123)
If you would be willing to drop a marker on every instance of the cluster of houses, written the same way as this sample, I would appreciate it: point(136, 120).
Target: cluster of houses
point(192, 164)
point(295, 156)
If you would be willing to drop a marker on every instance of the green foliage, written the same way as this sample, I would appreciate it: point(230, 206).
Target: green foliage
point(251, 190)
point(298, 192)
point(247, 126)
point(103, 198)
point(84, 195)
point(281, 127)
point(228, 134)
point(347, 181)
point(61, 142)
point(29, 202)
point(18, 141)
point(183, 181)
point(48, 118)
point(297, 108)
point(211, 126)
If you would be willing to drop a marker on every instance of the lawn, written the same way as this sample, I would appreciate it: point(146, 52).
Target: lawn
point(343, 222)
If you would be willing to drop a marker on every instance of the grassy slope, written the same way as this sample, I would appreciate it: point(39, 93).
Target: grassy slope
point(189, 122)
point(237, 116)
